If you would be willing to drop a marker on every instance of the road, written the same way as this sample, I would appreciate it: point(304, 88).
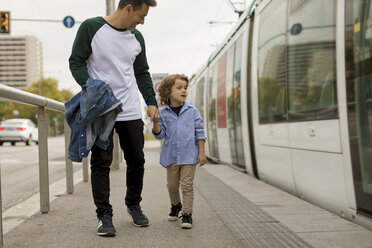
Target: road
point(20, 169)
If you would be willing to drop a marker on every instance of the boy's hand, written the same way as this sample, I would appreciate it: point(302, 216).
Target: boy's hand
point(202, 159)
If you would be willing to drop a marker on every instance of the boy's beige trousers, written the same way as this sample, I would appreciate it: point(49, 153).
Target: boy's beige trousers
point(181, 175)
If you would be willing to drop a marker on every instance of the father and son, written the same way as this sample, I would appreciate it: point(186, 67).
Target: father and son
point(108, 60)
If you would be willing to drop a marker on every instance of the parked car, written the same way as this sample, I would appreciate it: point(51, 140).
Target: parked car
point(18, 130)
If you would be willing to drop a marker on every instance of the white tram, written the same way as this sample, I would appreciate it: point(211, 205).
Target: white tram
point(287, 98)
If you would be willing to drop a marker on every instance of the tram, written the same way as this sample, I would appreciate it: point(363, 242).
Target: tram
point(287, 98)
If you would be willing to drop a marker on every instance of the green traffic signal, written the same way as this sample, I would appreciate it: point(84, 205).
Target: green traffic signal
point(5, 22)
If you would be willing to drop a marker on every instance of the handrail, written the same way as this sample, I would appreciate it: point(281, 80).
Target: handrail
point(21, 96)
point(17, 95)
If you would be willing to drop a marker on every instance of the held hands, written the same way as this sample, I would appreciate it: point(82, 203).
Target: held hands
point(153, 113)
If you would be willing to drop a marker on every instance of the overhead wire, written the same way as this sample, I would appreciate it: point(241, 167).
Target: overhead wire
point(203, 41)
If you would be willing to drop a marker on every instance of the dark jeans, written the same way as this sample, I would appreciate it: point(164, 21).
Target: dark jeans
point(132, 142)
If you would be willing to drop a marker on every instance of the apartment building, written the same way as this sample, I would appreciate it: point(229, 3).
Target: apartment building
point(20, 61)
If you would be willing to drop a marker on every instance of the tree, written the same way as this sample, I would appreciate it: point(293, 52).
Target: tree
point(49, 89)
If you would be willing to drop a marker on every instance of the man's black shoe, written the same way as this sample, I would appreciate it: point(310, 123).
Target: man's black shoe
point(139, 219)
point(175, 210)
point(105, 226)
point(186, 221)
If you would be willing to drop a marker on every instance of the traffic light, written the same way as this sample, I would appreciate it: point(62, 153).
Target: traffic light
point(5, 22)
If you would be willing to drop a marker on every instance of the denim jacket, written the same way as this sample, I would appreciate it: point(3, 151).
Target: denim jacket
point(91, 115)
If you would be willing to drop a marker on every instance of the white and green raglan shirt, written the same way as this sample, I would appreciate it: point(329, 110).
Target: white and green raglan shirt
point(117, 57)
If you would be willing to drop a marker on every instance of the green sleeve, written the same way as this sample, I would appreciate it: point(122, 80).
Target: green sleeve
point(81, 49)
point(141, 72)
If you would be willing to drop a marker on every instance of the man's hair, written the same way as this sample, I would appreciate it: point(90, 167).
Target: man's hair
point(165, 87)
point(137, 4)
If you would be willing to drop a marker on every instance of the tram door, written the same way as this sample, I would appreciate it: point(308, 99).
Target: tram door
point(359, 97)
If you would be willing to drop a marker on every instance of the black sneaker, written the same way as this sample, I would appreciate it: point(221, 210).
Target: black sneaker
point(139, 219)
point(105, 226)
point(186, 221)
point(175, 210)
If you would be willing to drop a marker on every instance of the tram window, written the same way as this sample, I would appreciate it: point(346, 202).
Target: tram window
point(236, 101)
point(312, 61)
point(199, 96)
point(212, 118)
point(271, 63)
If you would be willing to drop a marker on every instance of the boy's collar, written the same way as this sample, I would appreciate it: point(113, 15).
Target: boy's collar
point(184, 106)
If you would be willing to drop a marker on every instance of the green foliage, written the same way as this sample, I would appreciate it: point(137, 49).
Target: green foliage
point(49, 89)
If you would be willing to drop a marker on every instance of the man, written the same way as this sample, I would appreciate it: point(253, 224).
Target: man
point(111, 49)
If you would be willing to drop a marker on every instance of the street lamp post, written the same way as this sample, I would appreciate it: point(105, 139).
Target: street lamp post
point(110, 7)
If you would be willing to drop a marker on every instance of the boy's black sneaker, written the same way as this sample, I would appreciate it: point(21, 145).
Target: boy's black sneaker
point(186, 221)
point(175, 210)
point(105, 226)
point(139, 219)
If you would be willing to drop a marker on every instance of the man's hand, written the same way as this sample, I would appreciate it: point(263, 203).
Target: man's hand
point(153, 113)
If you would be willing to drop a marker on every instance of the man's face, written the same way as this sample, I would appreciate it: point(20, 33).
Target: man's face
point(137, 16)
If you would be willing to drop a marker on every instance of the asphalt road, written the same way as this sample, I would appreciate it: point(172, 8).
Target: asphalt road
point(20, 169)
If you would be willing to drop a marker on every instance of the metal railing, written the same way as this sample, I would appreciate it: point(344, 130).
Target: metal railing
point(20, 96)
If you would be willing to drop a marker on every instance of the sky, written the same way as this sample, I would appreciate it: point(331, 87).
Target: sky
point(178, 36)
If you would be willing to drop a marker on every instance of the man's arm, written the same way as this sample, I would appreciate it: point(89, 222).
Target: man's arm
point(81, 49)
point(141, 72)
point(144, 81)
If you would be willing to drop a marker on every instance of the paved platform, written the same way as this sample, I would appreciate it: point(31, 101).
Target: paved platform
point(231, 209)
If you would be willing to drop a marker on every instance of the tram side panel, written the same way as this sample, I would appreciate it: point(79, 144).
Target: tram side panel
point(269, 96)
point(228, 140)
point(297, 117)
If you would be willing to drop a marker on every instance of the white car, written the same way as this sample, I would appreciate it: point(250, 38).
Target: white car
point(18, 130)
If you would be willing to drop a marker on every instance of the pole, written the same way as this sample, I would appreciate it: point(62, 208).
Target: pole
point(43, 160)
point(1, 214)
point(110, 7)
point(69, 166)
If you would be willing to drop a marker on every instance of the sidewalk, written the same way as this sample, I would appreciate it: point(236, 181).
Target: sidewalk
point(72, 221)
point(231, 209)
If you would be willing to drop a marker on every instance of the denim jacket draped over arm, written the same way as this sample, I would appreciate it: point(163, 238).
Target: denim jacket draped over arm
point(91, 115)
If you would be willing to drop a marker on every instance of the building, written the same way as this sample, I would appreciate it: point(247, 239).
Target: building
point(156, 79)
point(20, 61)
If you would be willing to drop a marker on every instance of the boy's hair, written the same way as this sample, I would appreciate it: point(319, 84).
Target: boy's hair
point(137, 4)
point(165, 87)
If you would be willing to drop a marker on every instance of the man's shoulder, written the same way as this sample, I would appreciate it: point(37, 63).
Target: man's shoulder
point(138, 35)
point(93, 22)
point(136, 32)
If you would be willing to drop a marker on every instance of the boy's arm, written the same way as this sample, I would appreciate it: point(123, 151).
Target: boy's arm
point(156, 129)
point(200, 137)
point(199, 126)
point(202, 159)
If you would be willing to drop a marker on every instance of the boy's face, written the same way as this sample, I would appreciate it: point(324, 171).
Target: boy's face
point(178, 93)
point(137, 16)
